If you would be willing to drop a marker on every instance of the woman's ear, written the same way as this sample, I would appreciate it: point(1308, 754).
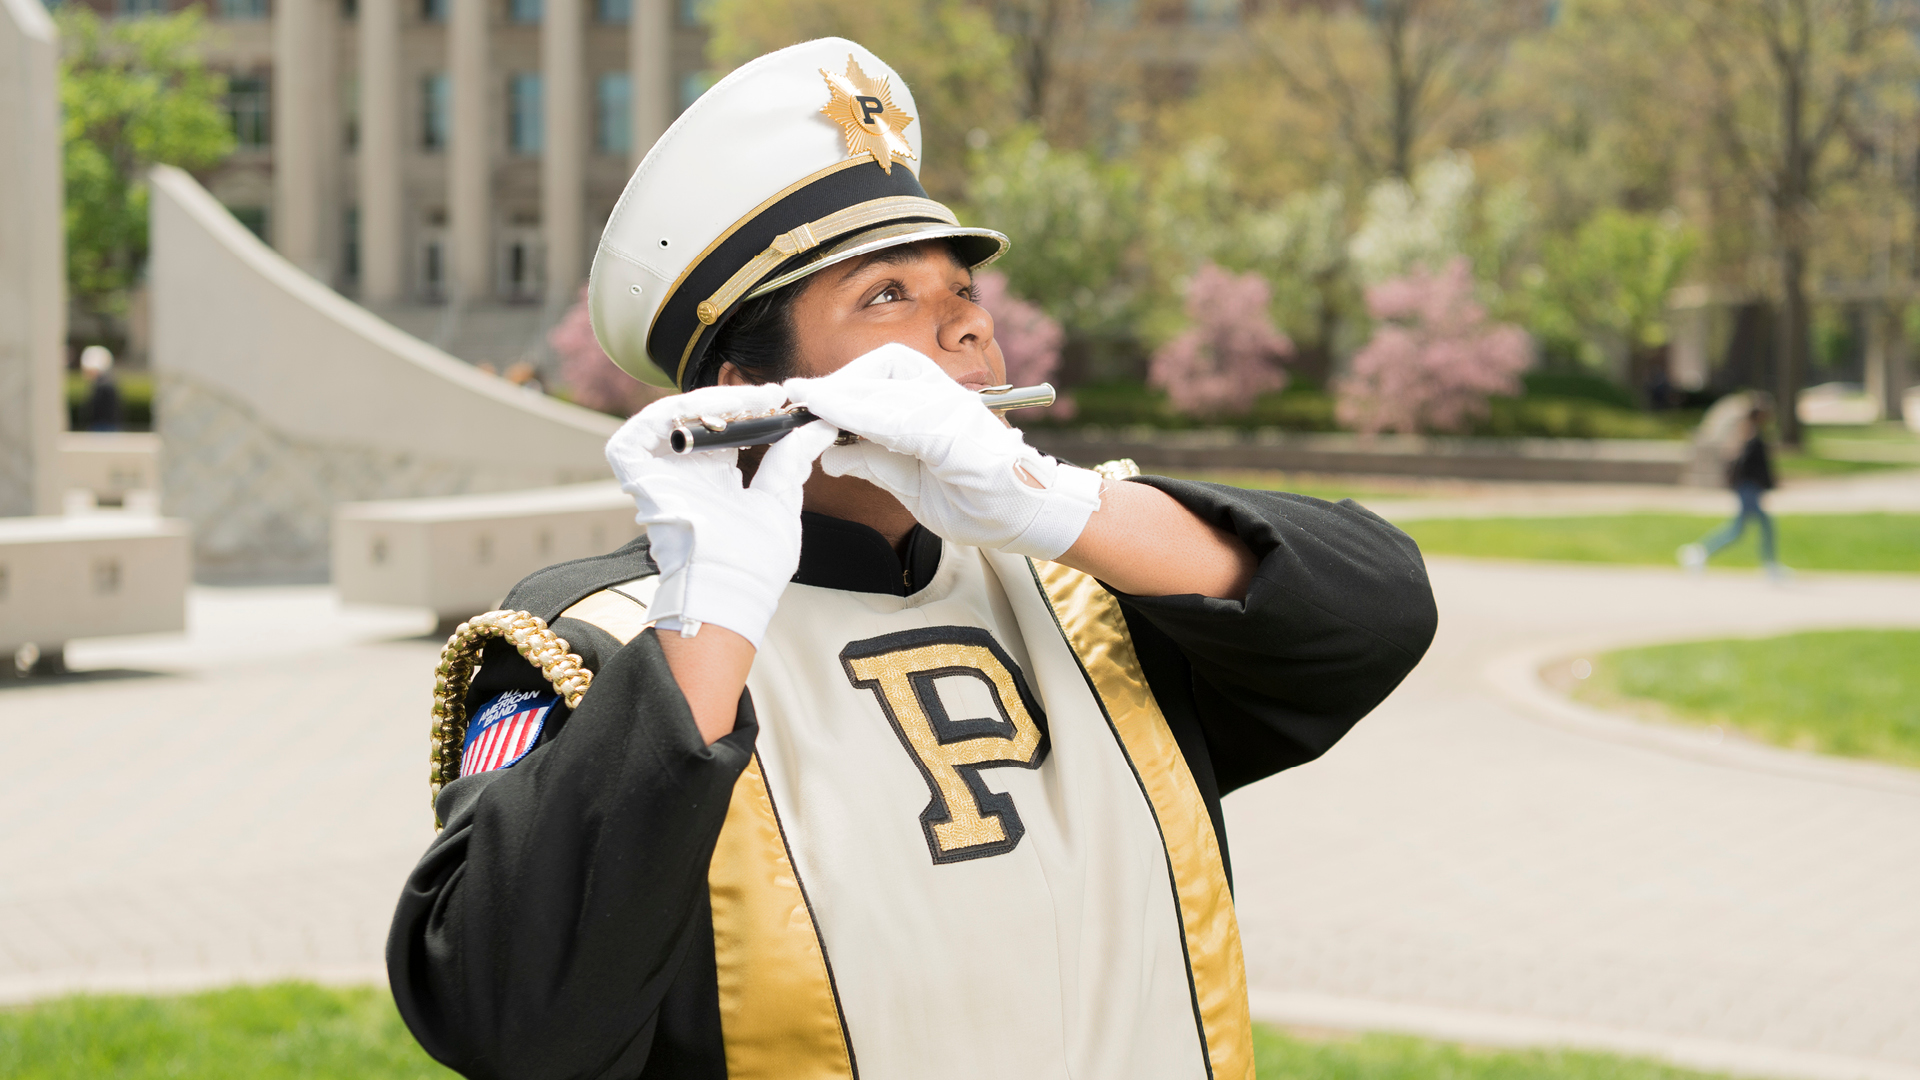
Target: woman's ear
point(730, 376)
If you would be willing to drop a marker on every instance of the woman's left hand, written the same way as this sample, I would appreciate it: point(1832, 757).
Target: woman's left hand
point(935, 446)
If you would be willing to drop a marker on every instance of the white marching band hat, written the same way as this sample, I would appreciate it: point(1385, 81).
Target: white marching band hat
point(798, 160)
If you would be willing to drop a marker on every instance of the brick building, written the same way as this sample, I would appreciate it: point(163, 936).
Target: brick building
point(410, 152)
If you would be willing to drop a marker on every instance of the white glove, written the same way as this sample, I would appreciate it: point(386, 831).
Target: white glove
point(725, 551)
point(935, 446)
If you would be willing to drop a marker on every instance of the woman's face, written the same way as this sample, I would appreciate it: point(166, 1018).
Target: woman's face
point(918, 295)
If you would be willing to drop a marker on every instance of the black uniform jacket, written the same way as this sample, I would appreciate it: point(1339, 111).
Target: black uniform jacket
point(559, 926)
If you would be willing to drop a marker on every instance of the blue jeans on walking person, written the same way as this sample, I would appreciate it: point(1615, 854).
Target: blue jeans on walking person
point(1749, 507)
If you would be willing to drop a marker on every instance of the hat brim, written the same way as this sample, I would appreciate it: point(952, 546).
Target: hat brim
point(976, 248)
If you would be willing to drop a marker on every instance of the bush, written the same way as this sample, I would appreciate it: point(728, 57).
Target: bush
point(1434, 359)
point(1572, 418)
point(1306, 409)
point(1029, 338)
point(1230, 354)
point(590, 375)
point(1578, 386)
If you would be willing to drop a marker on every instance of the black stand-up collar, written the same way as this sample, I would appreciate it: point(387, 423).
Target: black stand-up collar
point(846, 555)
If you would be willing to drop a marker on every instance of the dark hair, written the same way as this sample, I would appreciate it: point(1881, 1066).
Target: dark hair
point(759, 339)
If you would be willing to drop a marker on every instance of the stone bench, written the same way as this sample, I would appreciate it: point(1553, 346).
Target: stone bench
point(87, 575)
point(458, 555)
point(110, 465)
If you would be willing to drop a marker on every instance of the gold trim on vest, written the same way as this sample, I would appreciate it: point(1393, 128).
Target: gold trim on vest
point(1096, 629)
point(778, 1013)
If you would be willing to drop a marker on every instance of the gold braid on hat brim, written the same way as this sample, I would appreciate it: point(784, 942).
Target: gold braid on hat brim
point(528, 634)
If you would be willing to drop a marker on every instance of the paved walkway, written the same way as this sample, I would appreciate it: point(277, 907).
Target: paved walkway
point(242, 803)
point(1469, 863)
point(238, 803)
point(1897, 491)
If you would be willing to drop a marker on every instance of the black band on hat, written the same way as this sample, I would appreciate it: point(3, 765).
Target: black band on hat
point(679, 338)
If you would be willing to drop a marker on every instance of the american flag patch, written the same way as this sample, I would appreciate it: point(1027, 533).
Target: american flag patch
point(505, 729)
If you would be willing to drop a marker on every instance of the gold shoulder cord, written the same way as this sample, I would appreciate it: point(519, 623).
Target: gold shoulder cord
point(529, 635)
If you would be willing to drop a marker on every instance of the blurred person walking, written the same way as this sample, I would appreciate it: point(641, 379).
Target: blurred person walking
point(102, 410)
point(1750, 475)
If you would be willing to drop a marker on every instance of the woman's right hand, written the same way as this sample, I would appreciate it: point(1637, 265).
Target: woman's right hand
point(725, 549)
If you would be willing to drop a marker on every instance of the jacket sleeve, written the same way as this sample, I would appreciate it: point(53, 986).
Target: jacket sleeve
point(1338, 612)
point(539, 933)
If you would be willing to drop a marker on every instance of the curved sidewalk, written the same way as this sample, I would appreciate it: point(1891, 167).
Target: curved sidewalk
point(1475, 862)
point(242, 803)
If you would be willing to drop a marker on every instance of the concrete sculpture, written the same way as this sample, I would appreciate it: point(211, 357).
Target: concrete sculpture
point(277, 399)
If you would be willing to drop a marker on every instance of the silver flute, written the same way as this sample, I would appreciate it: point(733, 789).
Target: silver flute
point(732, 432)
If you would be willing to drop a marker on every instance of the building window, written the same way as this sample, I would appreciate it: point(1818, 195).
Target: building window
point(692, 85)
point(614, 12)
point(350, 255)
point(613, 132)
point(436, 95)
point(432, 274)
point(253, 217)
point(433, 10)
point(524, 11)
point(143, 7)
point(523, 113)
point(1213, 12)
point(251, 110)
point(242, 9)
point(350, 112)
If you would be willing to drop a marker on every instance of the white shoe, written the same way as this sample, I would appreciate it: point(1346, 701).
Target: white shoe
point(1778, 573)
point(1693, 557)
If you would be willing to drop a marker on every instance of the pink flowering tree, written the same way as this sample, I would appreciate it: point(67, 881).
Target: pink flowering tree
point(1434, 358)
point(1028, 337)
point(1230, 355)
point(593, 377)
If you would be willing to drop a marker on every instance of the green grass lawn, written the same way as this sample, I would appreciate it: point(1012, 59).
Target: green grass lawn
point(279, 1032)
point(1835, 450)
point(1850, 692)
point(1394, 1057)
point(298, 1030)
point(1880, 542)
point(1317, 485)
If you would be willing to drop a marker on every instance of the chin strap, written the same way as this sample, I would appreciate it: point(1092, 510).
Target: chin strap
point(528, 633)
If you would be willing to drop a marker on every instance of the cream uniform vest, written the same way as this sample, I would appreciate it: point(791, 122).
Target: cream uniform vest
point(968, 846)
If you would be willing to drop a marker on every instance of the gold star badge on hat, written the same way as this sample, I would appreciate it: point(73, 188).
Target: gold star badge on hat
point(864, 108)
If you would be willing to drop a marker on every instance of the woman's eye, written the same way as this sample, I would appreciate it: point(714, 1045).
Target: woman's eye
point(887, 296)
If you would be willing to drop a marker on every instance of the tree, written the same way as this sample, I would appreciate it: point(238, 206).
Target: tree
point(1230, 355)
point(1434, 358)
point(1787, 84)
point(1075, 223)
point(1201, 212)
point(1418, 225)
point(133, 94)
point(1038, 31)
point(957, 63)
point(1443, 214)
point(1606, 286)
point(1400, 79)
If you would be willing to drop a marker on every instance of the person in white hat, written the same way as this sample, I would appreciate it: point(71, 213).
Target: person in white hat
point(902, 756)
